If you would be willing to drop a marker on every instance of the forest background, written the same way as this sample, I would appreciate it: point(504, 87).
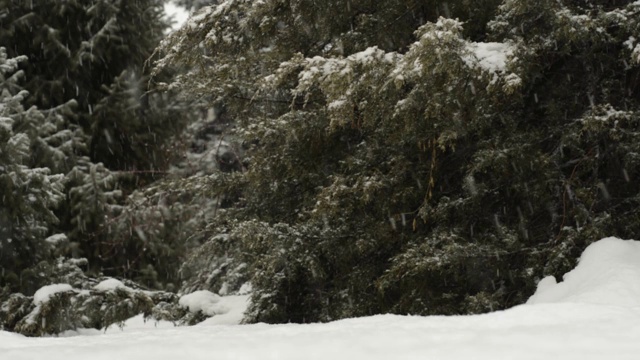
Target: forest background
point(345, 158)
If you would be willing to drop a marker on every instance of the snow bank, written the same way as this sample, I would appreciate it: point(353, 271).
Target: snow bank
point(608, 273)
point(44, 293)
point(593, 314)
point(546, 331)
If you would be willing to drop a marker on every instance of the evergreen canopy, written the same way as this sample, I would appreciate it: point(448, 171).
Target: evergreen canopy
point(29, 190)
point(78, 69)
point(74, 112)
point(405, 161)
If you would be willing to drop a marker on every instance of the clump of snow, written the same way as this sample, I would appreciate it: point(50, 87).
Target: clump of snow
point(549, 331)
point(336, 104)
point(44, 293)
point(245, 289)
point(371, 54)
point(56, 239)
point(195, 20)
point(491, 56)
point(205, 301)
point(6, 124)
point(636, 54)
point(110, 285)
point(512, 80)
point(629, 43)
point(234, 306)
point(608, 273)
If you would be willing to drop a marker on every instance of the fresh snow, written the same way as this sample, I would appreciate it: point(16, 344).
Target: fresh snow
point(56, 239)
point(592, 314)
point(110, 285)
point(224, 310)
point(44, 293)
point(491, 56)
point(608, 274)
point(204, 301)
point(230, 311)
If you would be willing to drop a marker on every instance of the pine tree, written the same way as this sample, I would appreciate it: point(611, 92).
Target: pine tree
point(120, 136)
point(94, 51)
point(410, 166)
point(33, 145)
point(138, 131)
point(30, 191)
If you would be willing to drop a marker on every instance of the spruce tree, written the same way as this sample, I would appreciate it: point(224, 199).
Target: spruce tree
point(93, 53)
point(30, 190)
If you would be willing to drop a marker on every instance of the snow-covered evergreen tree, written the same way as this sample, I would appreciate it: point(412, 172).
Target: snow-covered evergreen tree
point(73, 171)
point(30, 189)
point(74, 301)
point(404, 162)
point(120, 136)
point(94, 52)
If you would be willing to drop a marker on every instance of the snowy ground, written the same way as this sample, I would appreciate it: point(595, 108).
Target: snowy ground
point(593, 314)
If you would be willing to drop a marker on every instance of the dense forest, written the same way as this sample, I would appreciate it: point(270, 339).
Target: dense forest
point(343, 157)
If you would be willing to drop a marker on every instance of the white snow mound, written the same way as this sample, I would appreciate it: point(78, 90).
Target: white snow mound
point(111, 284)
point(44, 293)
point(205, 301)
point(230, 311)
point(608, 273)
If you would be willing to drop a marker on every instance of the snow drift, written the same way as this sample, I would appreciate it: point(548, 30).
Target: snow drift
point(593, 314)
point(608, 274)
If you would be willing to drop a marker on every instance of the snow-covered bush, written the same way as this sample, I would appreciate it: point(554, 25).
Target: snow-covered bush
point(75, 301)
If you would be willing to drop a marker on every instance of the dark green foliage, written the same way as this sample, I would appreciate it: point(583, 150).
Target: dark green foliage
point(75, 178)
point(102, 136)
point(157, 225)
point(135, 130)
point(29, 191)
point(393, 163)
point(394, 169)
point(85, 304)
point(251, 39)
point(93, 51)
point(92, 41)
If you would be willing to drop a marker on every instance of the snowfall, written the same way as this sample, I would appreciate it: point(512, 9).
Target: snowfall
point(593, 313)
